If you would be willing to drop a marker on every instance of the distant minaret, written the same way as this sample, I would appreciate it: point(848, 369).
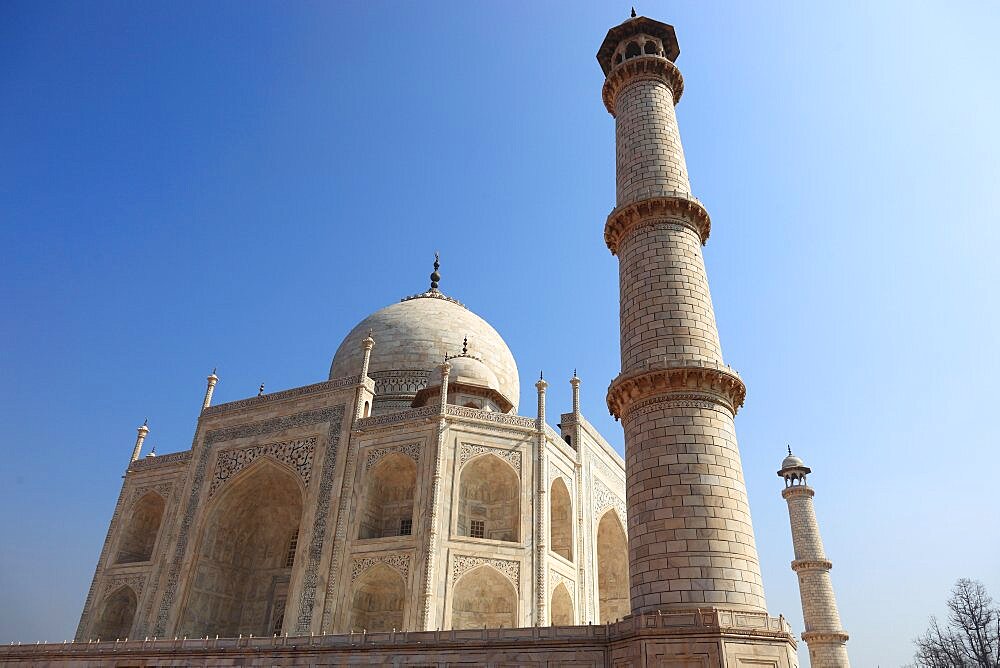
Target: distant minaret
point(691, 542)
point(212, 380)
point(140, 437)
point(826, 639)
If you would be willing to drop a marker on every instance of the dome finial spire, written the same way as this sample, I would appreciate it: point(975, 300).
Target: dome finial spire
point(465, 346)
point(633, 12)
point(435, 276)
point(789, 450)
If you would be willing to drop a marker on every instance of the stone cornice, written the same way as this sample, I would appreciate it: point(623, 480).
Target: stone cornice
point(254, 402)
point(148, 462)
point(811, 565)
point(797, 490)
point(637, 69)
point(687, 380)
point(678, 207)
point(492, 416)
point(825, 637)
point(389, 419)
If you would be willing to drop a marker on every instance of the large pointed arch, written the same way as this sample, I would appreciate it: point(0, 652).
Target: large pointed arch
point(560, 519)
point(484, 598)
point(489, 500)
point(239, 582)
point(387, 497)
point(561, 607)
point(378, 600)
point(141, 529)
point(612, 569)
point(117, 615)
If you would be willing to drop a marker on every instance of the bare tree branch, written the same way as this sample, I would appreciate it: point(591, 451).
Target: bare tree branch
point(971, 638)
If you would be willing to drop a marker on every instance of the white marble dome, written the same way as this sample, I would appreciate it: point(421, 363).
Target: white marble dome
point(414, 335)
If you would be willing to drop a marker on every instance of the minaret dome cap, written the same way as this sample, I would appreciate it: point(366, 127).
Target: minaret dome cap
point(792, 461)
point(793, 468)
point(639, 25)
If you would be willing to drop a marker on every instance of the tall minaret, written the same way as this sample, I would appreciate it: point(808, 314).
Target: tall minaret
point(143, 430)
point(691, 543)
point(826, 639)
point(209, 390)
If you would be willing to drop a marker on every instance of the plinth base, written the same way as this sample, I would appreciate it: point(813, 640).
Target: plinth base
point(675, 639)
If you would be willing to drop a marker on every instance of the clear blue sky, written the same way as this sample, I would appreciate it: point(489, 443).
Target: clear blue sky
point(236, 185)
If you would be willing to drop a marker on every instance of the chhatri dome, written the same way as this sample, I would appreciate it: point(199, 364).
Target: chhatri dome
point(412, 338)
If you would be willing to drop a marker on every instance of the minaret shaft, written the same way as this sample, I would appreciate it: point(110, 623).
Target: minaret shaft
point(691, 542)
point(649, 157)
point(824, 634)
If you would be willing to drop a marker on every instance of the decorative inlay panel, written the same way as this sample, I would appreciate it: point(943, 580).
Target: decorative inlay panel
point(411, 450)
point(491, 416)
point(398, 561)
point(462, 564)
point(400, 382)
point(556, 578)
point(611, 473)
point(297, 453)
point(163, 489)
point(604, 498)
point(136, 582)
point(469, 451)
point(559, 473)
point(395, 418)
point(310, 582)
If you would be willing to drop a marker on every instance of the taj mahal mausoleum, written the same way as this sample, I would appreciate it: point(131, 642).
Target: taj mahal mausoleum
point(413, 509)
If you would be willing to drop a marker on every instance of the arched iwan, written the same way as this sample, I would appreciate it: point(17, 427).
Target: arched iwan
point(117, 615)
point(562, 606)
point(612, 569)
point(242, 566)
point(378, 600)
point(561, 519)
point(489, 500)
point(483, 597)
point(387, 502)
point(140, 532)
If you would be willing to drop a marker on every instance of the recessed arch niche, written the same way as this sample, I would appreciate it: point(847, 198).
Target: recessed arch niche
point(483, 598)
point(561, 609)
point(241, 572)
point(489, 495)
point(378, 600)
point(612, 569)
point(117, 615)
point(560, 519)
point(142, 527)
point(387, 499)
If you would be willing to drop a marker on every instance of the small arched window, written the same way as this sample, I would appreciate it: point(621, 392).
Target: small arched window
point(650, 48)
point(632, 50)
